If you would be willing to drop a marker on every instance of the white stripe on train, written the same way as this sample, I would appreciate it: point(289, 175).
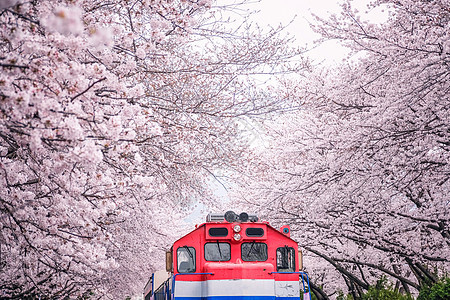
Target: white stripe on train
point(237, 287)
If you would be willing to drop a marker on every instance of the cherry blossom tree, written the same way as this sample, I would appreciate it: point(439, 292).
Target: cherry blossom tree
point(362, 173)
point(114, 116)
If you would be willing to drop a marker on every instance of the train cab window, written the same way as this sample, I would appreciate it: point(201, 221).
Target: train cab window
point(258, 232)
point(217, 251)
point(218, 231)
point(254, 251)
point(285, 259)
point(186, 259)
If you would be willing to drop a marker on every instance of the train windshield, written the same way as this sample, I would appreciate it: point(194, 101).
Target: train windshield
point(254, 251)
point(186, 259)
point(286, 259)
point(217, 251)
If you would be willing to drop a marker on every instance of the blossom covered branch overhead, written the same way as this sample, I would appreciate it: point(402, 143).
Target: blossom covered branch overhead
point(114, 115)
point(363, 172)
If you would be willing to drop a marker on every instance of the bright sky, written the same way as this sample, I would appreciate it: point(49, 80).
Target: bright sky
point(274, 12)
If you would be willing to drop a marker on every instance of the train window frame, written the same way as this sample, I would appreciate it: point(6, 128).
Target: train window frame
point(218, 235)
point(254, 235)
point(291, 263)
point(252, 244)
point(218, 243)
point(192, 255)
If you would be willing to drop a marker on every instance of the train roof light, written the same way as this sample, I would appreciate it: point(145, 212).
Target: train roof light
point(231, 216)
point(237, 228)
point(243, 217)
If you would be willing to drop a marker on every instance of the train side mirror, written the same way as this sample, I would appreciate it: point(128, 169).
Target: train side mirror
point(169, 261)
point(300, 260)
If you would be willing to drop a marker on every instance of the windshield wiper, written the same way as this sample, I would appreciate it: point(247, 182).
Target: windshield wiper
point(285, 258)
point(190, 253)
point(250, 250)
point(220, 252)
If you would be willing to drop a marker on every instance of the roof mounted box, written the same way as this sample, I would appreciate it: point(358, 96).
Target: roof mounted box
point(230, 216)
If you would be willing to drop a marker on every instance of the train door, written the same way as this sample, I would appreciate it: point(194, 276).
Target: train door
point(289, 283)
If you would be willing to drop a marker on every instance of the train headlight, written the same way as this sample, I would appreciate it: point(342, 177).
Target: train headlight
point(237, 228)
point(237, 237)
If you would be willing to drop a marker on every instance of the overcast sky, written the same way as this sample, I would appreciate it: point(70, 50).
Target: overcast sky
point(274, 12)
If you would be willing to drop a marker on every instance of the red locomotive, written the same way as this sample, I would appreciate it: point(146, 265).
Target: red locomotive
point(232, 257)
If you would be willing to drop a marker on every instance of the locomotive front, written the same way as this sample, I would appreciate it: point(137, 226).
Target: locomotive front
point(234, 257)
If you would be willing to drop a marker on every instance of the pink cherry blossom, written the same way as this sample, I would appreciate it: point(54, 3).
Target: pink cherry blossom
point(362, 171)
point(114, 117)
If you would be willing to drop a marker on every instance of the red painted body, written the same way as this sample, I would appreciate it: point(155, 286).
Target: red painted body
point(232, 257)
point(236, 268)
